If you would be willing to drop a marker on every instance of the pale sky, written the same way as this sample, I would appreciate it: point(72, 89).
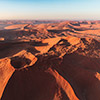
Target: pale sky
point(50, 9)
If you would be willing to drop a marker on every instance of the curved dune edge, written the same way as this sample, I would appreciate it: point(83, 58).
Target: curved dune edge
point(62, 83)
point(6, 71)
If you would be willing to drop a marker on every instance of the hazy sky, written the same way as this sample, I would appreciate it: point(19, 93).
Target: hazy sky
point(50, 9)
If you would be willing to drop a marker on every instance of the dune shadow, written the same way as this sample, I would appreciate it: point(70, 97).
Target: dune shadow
point(19, 62)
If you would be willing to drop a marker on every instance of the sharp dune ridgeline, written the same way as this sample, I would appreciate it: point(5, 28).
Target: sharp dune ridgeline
point(50, 61)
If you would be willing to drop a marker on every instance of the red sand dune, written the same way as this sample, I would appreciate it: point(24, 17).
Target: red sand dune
point(17, 26)
point(55, 61)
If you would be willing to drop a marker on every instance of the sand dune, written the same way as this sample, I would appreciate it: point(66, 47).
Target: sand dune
point(51, 61)
point(17, 26)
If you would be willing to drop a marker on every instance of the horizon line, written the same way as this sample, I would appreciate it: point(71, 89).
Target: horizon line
point(52, 19)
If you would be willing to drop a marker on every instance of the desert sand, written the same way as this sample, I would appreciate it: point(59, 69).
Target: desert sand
point(50, 61)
